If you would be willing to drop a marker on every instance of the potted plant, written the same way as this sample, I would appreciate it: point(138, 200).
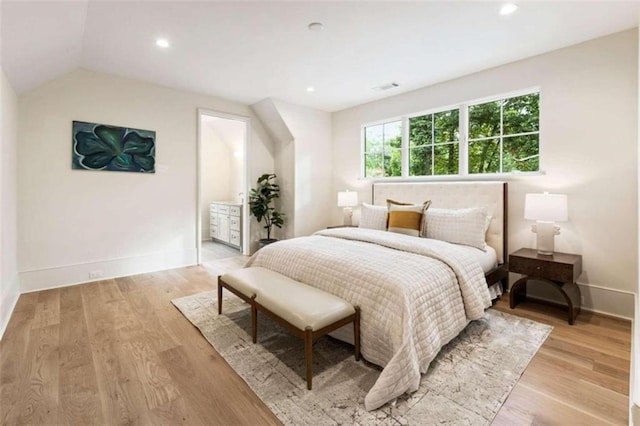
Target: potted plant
point(261, 205)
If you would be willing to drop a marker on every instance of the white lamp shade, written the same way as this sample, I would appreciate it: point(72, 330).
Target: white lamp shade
point(546, 207)
point(347, 199)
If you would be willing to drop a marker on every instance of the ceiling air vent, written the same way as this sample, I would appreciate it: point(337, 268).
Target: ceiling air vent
point(386, 86)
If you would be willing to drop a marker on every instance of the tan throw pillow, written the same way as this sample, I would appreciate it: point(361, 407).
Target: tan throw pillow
point(406, 218)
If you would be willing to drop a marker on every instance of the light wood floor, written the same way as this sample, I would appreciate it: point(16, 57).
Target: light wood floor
point(213, 250)
point(117, 351)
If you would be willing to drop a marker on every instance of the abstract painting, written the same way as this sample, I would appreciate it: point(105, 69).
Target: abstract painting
point(113, 148)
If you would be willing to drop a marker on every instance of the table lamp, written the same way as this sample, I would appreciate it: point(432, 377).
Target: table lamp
point(347, 200)
point(546, 209)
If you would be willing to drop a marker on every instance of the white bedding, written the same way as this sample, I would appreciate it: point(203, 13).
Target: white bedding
point(488, 259)
point(415, 294)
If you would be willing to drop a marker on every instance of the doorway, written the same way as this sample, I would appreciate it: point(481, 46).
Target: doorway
point(222, 223)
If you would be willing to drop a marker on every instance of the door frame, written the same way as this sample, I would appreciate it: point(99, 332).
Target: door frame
point(245, 177)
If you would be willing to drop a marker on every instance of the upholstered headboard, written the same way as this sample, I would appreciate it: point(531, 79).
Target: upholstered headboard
point(456, 195)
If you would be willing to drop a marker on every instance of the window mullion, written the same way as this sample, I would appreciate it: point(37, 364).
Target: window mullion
point(404, 152)
point(463, 140)
point(363, 147)
point(384, 170)
point(501, 132)
point(433, 144)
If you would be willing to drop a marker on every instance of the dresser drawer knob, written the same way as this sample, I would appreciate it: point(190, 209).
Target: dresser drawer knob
point(538, 268)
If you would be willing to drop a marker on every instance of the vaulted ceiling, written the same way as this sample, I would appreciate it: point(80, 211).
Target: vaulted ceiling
point(247, 51)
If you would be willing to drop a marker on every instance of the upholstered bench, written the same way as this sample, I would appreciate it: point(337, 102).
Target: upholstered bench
point(305, 311)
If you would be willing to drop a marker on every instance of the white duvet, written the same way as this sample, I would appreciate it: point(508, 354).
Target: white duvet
point(415, 294)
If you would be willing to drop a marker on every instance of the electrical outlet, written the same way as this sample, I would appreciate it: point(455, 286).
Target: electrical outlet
point(96, 274)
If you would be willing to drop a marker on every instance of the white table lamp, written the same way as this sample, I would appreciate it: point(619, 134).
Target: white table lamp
point(347, 200)
point(546, 209)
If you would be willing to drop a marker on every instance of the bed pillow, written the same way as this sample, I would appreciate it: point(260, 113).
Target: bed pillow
point(373, 217)
point(406, 218)
point(458, 226)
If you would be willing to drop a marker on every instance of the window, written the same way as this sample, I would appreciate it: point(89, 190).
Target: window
point(383, 150)
point(434, 144)
point(500, 136)
point(503, 135)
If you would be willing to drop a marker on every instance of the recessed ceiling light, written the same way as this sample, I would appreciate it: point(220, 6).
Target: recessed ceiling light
point(162, 42)
point(315, 26)
point(508, 9)
point(310, 89)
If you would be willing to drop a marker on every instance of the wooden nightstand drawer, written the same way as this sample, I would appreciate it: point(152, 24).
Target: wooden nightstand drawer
point(557, 267)
point(537, 268)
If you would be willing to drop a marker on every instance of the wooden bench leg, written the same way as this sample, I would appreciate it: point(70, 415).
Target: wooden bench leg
point(308, 353)
point(254, 320)
point(356, 333)
point(219, 296)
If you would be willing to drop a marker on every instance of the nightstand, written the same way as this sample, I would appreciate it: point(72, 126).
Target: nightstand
point(559, 270)
point(342, 226)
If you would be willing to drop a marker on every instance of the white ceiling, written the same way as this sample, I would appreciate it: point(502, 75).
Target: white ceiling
point(248, 51)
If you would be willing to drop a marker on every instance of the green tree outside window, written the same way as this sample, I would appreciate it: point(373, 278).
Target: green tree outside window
point(502, 136)
point(383, 150)
point(434, 144)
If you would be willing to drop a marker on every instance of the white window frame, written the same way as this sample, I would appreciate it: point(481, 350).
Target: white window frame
point(363, 153)
point(433, 111)
point(463, 140)
point(501, 136)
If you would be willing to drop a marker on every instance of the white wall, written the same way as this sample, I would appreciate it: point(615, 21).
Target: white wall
point(72, 222)
point(634, 383)
point(235, 181)
point(588, 121)
point(284, 161)
point(311, 130)
point(9, 288)
point(215, 173)
point(302, 137)
point(285, 164)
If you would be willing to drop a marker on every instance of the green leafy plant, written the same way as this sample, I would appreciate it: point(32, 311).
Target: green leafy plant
point(261, 203)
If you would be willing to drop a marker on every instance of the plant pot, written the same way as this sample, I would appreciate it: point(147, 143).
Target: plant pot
point(265, 242)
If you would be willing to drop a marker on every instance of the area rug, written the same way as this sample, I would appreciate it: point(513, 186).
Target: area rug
point(466, 384)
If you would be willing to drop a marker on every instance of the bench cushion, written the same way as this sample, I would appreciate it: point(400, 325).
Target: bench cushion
point(302, 305)
point(247, 280)
point(299, 304)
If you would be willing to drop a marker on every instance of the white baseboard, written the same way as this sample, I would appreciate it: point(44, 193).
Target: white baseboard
point(62, 276)
point(617, 303)
point(634, 415)
point(595, 298)
point(7, 305)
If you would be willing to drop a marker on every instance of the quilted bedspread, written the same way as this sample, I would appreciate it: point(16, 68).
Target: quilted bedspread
point(415, 294)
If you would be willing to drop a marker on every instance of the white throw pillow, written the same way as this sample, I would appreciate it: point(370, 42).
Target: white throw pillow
point(458, 226)
point(373, 217)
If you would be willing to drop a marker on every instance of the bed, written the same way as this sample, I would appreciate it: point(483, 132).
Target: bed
point(458, 195)
point(415, 294)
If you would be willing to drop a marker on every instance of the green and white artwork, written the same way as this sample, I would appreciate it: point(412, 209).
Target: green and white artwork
point(113, 148)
